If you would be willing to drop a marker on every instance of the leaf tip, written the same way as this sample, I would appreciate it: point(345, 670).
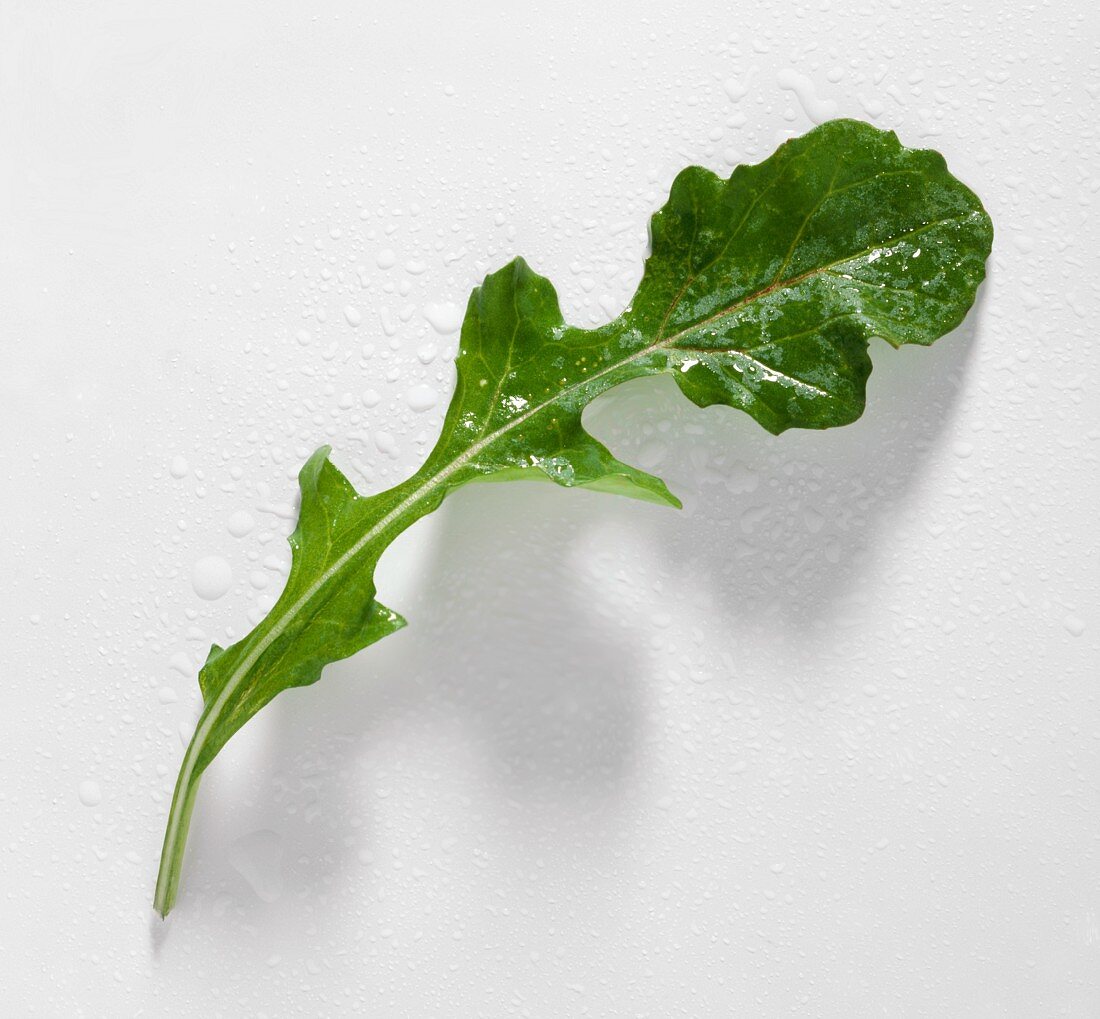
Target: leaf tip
point(318, 457)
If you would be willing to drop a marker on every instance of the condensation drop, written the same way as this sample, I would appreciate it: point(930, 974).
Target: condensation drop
point(444, 318)
point(240, 524)
point(736, 89)
point(211, 577)
point(817, 109)
point(89, 792)
point(421, 398)
point(1074, 625)
point(385, 443)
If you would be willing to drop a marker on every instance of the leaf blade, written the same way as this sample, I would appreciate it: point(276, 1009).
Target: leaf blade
point(792, 238)
point(239, 680)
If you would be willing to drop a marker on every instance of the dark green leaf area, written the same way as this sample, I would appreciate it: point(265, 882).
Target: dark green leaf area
point(766, 287)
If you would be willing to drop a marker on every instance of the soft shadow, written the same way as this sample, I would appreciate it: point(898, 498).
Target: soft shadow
point(782, 529)
point(503, 639)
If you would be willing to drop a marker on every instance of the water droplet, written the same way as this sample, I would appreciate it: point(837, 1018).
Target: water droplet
point(421, 398)
point(385, 443)
point(179, 467)
point(211, 577)
point(818, 110)
point(735, 89)
point(444, 318)
point(89, 792)
point(240, 524)
point(352, 315)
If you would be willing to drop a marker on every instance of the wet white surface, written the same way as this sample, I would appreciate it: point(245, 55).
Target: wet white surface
point(825, 743)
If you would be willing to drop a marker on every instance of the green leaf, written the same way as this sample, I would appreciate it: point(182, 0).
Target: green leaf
point(761, 292)
point(320, 622)
point(765, 288)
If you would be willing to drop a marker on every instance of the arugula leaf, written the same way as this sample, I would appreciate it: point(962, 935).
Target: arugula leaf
point(761, 292)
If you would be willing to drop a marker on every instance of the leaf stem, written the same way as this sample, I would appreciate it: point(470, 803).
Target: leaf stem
point(175, 835)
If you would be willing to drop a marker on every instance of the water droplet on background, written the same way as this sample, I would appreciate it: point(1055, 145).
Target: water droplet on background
point(1074, 625)
point(421, 398)
point(211, 577)
point(240, 524)
point(817, 109)
point(444, 318)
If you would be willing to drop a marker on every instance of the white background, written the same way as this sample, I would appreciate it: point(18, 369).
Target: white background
point(825, 743)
